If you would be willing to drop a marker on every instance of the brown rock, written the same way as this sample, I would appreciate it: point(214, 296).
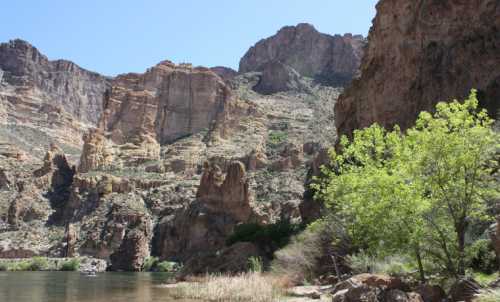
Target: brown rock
point(95, 152)
point(277, 77)
point(431, 293)
point(167, 102)
point(5, 181)
point(331, 59)
point(71, 238)
point(229, 194)
point(225, 73)
point(464, 290)
point(375, 288)
point(61, 82)
point(420, 53)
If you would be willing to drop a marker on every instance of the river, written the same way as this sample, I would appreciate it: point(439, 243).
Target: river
point(74, 287)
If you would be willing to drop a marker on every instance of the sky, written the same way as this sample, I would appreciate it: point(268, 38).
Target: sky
point(119, 36)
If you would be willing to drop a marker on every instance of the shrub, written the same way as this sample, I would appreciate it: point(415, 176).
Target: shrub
point(37, 264)
point(166, 267)
point(256, 264)
point(150, 263)
point(277, 137)
point(396, 265)
point(480, 256)
point(71, 265)
point(4, 267)
point(309, 253)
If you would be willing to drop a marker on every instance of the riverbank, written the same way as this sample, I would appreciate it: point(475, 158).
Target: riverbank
point(53, 264)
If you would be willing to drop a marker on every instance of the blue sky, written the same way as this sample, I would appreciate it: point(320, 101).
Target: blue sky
point(117, 36)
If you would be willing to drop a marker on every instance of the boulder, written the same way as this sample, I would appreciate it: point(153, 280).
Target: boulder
point(431, 293)
point(375, 288)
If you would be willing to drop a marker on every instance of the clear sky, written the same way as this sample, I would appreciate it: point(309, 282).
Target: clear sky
point(117, 36)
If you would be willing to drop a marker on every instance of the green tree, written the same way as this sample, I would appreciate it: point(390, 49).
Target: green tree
point(416, 191)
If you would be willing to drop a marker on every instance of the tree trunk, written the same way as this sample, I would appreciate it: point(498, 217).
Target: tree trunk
point(420, 265)
point(461, 249)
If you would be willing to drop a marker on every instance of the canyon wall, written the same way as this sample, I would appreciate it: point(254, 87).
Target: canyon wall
point(422, 52)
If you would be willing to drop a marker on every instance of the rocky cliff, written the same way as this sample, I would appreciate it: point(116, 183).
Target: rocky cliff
point(142, 186)
point(167, 102)
point(422, 52)
point(50, 100)
point(329, 59)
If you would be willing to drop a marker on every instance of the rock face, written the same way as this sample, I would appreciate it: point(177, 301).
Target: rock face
point(225, 73)
point(57, 83)
point(222, 201)
point(420, 53)
point(329, 59)
point(167, 102)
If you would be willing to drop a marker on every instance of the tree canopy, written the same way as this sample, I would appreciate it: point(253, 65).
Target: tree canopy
point(417, 191)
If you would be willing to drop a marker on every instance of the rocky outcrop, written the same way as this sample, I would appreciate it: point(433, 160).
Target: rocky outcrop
point(332, 60)
point(420, 53)
point(121, 235)
point(277, 77)
point(222, 201)
point(95, 153)
point(167, 102)
point(229, 194)
point(225, 73)
point(56, 83)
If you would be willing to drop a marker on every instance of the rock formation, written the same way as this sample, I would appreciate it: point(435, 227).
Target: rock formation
point(167, 102)
point(329, 59)
point(422, 52)
point(44, 101)
point(222, 201)
point(55, 83)
point(225, 73)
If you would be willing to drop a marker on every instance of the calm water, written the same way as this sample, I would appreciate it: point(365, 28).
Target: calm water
point(73, 287)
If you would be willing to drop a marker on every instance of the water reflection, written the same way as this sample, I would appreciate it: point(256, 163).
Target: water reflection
point(73, 287)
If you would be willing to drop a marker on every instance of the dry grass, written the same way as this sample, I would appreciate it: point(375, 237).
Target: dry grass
point(246, 287)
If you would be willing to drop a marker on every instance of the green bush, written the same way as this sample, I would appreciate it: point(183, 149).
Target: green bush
point(271, 236)
point(480, 256)
point(4, 267)
point(256, 264)
point(37, 264)
point(166, 267)
point(277, 137)
point(150, 264)
point(71, 265)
